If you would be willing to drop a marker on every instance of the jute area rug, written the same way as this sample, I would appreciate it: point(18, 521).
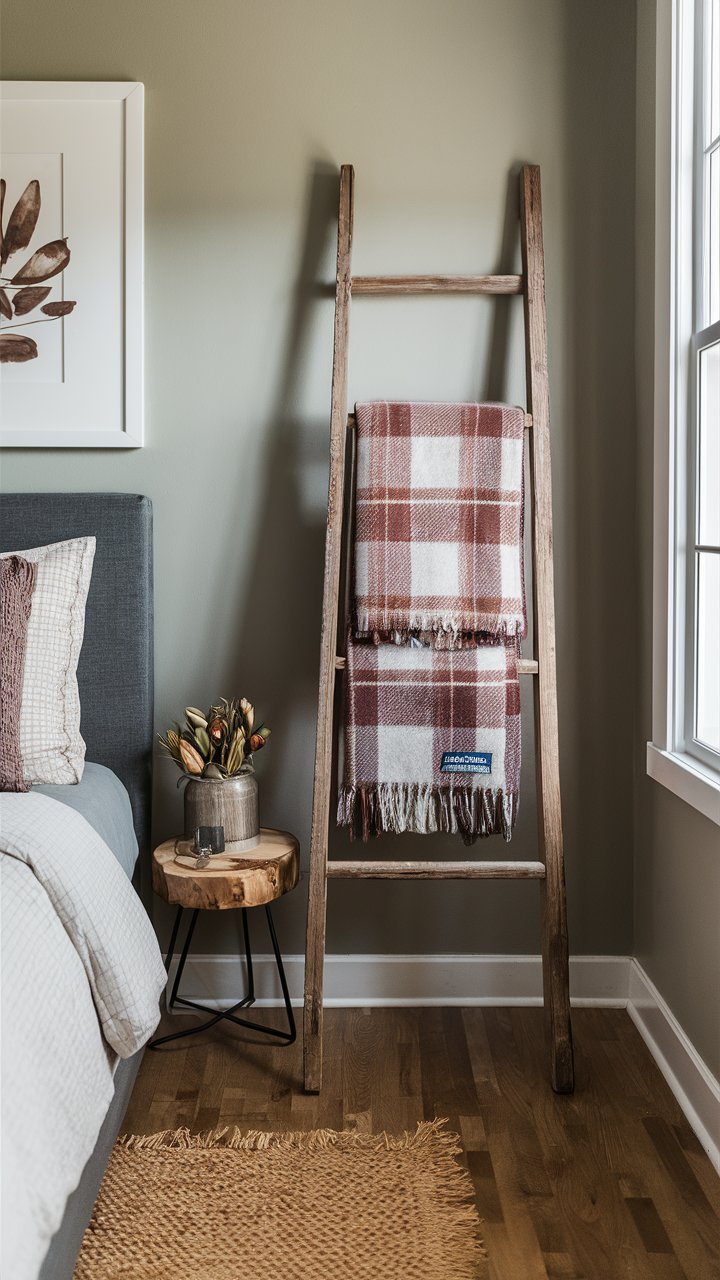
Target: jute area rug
point(291, 1206)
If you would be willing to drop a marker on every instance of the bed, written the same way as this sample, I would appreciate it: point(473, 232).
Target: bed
point(115, 677)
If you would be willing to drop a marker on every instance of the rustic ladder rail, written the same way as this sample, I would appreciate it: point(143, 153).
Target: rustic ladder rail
point(549, 868)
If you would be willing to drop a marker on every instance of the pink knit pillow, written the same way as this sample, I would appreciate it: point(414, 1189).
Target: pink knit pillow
point(17, 583)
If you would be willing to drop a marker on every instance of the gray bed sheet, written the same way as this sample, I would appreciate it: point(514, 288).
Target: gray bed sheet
point(102, 799)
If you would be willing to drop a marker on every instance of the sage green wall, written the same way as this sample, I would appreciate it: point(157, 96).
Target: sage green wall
point(677, 850)
point(250, 107)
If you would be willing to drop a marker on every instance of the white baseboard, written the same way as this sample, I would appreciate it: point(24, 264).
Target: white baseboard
point(407, 980)
point(357, 981)
point(696, 1089)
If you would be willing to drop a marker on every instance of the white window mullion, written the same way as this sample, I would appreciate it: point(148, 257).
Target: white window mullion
point(683, 303)
point(702, 730)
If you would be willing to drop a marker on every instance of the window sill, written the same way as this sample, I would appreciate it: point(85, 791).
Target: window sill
point(687, 778)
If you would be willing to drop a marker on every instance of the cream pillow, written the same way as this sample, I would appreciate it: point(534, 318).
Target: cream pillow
point(51, 746)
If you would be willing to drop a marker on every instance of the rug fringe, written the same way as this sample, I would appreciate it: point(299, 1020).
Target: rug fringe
point(369, 809)
point(428, 1131)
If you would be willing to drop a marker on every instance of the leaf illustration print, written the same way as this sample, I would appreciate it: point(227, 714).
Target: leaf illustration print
point(22, 290)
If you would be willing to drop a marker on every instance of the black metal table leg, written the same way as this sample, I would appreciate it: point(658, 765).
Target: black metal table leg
point(173, 939)
point(287, 1037)
point(281, 974)
point(183, 958)
point(248, 957)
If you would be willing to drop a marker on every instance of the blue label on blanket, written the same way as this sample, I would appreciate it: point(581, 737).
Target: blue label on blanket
point(466, 762)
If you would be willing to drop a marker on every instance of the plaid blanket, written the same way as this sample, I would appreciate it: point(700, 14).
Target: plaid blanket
point(432, 739)
point(439, 523)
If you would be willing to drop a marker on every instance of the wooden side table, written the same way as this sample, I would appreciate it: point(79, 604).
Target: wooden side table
point(250, 879)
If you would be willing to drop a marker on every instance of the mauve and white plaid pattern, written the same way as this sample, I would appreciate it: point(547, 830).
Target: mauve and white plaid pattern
point(406, 706)
point(439, 522)
point(51, 745)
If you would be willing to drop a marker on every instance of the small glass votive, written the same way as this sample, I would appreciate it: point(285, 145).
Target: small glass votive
point(210, 839)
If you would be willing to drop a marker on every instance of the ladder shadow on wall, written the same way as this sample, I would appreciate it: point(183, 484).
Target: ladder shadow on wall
point(279, 627)
point(494, 384)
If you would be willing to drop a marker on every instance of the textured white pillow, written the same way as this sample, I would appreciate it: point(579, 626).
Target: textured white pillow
point(51, 746)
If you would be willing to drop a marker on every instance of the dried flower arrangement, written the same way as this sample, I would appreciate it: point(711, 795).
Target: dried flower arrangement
point(47, 262)
point(219, 744)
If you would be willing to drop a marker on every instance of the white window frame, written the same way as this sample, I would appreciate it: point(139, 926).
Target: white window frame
point(696, 781)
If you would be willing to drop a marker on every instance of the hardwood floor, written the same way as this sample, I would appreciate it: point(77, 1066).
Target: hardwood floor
point(605, 1184)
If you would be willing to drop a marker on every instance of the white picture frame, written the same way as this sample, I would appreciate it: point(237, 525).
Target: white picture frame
point(76, 382)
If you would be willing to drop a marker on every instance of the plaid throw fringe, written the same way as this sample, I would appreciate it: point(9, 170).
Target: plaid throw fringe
point(439, 523)
point(432, 740)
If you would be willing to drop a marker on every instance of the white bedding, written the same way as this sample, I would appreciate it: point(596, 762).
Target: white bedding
point(82, 977)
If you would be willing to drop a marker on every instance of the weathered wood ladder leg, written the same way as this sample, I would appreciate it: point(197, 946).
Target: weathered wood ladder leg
point(317, 899)
point(555, 937)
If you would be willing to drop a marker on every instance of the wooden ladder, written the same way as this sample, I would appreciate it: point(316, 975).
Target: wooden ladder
point(549, 868)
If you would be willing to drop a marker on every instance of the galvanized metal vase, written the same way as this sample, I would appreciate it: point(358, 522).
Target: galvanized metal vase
point(228, 802)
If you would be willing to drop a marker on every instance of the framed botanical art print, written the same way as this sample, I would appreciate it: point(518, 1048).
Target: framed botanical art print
point(71, 265)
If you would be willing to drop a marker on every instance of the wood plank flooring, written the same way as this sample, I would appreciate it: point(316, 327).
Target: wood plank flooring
point(607, 1184)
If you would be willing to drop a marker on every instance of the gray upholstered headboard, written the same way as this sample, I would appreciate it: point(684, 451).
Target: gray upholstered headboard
point(115, 673)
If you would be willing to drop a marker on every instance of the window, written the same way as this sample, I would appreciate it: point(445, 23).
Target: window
point(685, 752)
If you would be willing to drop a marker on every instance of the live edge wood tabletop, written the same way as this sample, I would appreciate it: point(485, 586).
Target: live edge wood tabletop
point(252, 878)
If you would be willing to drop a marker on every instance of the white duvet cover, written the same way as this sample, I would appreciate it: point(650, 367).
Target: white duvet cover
point(81, 979)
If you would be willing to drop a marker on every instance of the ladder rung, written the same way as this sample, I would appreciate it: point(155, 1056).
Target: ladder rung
point(526, 666)
point(351, 421)
point(436, 284)
point(344, 870)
